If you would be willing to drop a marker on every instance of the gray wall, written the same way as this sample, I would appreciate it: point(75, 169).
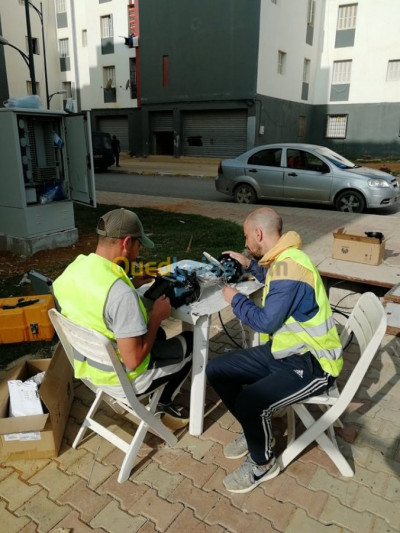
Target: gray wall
point(212, 46)
point(280, 118)
point(372, 129)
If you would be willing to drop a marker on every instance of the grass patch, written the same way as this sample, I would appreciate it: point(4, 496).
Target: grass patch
point(175, 235)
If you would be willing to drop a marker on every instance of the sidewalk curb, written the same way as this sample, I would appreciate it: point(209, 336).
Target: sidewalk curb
point(158, 173)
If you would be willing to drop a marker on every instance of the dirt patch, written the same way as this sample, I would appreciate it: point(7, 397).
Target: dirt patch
point(50, 263)
point(394, 166)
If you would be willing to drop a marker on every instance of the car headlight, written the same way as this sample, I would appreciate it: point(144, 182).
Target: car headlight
point(378, 183)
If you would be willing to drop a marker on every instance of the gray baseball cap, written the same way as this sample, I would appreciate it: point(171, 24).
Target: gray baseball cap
point(121, 223)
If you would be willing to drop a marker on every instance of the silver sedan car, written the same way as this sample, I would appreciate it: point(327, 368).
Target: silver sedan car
point(305, 173)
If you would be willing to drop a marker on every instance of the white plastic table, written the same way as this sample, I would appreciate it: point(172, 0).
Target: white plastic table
point(197, 316)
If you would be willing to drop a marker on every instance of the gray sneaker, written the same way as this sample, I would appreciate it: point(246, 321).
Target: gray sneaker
point(249, 475)
point(237, 448)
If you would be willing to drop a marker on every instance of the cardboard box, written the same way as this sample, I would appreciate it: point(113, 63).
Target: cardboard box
point(26, 319)
point(56, 393)
point(357, 248)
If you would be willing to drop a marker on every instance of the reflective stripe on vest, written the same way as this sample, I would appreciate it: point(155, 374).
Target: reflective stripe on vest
point(82, 292)
point(317, 335)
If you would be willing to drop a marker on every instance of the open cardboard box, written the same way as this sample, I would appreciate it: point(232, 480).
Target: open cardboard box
point(56, 393)
point(357, 248)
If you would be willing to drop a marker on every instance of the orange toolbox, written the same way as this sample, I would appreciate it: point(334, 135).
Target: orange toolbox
point(26, 319)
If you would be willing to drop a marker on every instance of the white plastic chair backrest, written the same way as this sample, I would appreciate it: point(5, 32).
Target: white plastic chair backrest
point(94, 346)
point(368, 323)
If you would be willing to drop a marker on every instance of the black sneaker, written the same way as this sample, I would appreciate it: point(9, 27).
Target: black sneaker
point(173, 416)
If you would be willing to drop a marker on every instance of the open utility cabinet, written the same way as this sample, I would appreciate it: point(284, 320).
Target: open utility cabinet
point(41, 150)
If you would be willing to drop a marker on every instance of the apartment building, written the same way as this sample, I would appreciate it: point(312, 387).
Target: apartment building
point(219, 77)
point(215, 77)
point(15, 78)
point(98, 59)
point(356, 100)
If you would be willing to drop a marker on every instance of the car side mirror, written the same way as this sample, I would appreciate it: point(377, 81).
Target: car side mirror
point(325, 169)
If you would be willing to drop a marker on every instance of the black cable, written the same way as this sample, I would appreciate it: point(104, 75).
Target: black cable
point(226, 331)
point(339, 312)
point(333, 309)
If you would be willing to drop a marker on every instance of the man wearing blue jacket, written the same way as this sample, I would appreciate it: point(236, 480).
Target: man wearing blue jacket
point(299, 354)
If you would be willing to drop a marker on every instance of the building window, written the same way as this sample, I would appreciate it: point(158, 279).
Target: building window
point(336, 126)
point(393, 70)
point(306, 79)
point(60, 6)
point(165, 71)
point(133, 77)
point(107, 35)
point(84, 38)
point(281, 62)
point(67, 88)
point(106, 27)
point(306, 71)
point(109, 86)
point(301, 126)
point(109, 76)
point(35, 45)
point(29, 87)
point(347, 17)
point(311, 12)
point(341, 72)
point(61, 14)
point(63, 50)
point(63, 47)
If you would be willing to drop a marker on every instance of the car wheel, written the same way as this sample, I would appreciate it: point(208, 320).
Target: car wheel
point(245, 194)
point(350, 201)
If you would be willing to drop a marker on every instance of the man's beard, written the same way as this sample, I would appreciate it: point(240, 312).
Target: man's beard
point(257, 254)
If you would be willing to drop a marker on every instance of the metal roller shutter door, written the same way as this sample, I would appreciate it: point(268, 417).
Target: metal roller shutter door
point(215, 133)
point(161, 121)
point(116, 126)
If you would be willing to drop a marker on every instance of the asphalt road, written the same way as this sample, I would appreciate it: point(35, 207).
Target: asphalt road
point(167, 186)
point(196, 188)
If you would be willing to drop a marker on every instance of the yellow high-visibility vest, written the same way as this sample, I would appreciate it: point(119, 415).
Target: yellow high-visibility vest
point(317, 335)
point(81, 292)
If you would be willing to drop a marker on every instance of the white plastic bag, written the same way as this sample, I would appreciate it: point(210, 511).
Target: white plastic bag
point(24, 398)
point(69, 105)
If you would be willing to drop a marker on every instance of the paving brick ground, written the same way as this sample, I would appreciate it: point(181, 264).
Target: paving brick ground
point(180, 489)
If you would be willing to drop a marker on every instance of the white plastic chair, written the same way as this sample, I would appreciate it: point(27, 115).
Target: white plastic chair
point(96, 347)
point(368, 324)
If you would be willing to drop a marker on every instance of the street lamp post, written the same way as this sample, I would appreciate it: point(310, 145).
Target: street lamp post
point(4, 42)
point(53, 94)
point(40, 15)
point(29, 58)
point(30, 47)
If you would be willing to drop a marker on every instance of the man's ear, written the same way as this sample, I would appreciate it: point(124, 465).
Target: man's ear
point(126, 242)
point(259, 234)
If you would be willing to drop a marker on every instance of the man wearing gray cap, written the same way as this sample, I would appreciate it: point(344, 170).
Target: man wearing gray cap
point(95, 291)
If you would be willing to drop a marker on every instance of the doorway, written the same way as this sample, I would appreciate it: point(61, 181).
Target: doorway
point(163, 143)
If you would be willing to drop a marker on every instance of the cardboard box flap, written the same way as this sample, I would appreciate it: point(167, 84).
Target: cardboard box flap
point(56, 380)
point(56, 393)
point(23, 423)
point(357, 238)
point(17, 372)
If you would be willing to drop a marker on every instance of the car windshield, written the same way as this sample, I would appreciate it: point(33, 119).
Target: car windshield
point(335, 158)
